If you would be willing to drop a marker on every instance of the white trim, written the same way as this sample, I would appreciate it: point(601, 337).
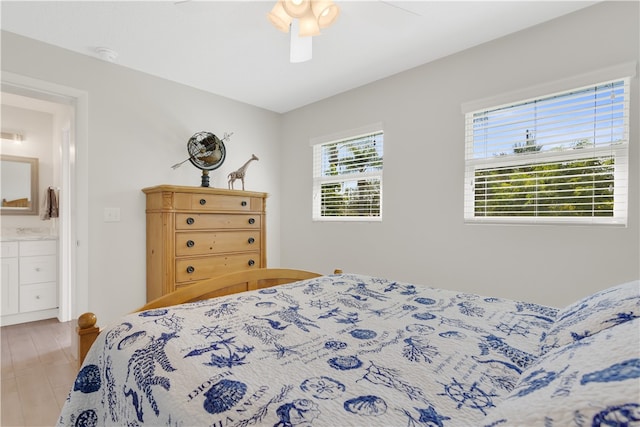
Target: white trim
point(531, 220)
point(347, 134)
point(348, 218)
point(318, 180)
point(31, 316)
point(550, 157)
point(619, 71)
point(620, 152)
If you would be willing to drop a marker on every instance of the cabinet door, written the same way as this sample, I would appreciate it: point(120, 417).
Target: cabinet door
point(9, 249)
point(10, 286)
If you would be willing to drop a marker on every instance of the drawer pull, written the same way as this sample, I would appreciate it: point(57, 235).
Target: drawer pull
point(190, 220)
point(37, 269)
point(251, 263)
point(243, 203)
point(251, 240)
point(252, 220)
point(190, 243)
point(190, 269)
point(37, 296)
point(203, 202)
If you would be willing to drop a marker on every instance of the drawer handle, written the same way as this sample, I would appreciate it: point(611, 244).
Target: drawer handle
point(190, 220)
point(243, 203)
point(37, 269)
point(251, 263)
point(203, 202)
point(190, 243)
point(37, 296)
point(252, 220)
point(251, 240)
point(190, 269)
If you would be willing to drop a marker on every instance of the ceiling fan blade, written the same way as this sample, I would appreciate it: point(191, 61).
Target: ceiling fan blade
point(396, 6)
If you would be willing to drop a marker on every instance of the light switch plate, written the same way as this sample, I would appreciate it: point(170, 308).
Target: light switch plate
point(111, 214)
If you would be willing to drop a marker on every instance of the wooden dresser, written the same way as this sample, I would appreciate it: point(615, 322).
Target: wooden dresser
point(195, 233)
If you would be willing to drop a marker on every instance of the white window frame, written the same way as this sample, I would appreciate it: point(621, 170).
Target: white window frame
point(318, 180)
point(622, 72)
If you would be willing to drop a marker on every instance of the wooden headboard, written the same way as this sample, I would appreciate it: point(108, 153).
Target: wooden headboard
point(218, 286)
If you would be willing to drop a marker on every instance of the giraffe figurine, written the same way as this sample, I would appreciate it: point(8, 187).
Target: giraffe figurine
point(239, 174)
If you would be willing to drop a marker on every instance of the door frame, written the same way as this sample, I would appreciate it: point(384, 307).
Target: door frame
point(73, 250)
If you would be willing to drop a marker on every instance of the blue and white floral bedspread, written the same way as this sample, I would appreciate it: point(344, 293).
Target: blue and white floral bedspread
point(335, 350)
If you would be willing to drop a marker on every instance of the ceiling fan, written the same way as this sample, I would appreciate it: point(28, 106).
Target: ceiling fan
point(303, 19)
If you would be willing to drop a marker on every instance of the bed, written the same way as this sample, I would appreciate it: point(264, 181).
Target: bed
point(352, 350)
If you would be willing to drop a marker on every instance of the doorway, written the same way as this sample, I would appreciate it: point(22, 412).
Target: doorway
point(70, 107)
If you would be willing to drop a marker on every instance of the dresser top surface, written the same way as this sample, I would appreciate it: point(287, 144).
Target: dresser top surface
point(201, 190)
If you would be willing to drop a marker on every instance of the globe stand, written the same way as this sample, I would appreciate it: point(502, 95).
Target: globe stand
point(205, 178)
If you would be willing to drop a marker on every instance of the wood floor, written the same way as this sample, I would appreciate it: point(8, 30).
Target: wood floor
point(38, 370)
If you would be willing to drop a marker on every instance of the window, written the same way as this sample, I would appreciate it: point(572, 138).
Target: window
point(347, 178)
point(556, 158)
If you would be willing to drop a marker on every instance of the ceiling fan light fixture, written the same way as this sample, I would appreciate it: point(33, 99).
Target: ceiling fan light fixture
point(279, 17)
point(13, 136)
point(296, 8)
point(325, 11)
point(309, 25)
point(304, 19)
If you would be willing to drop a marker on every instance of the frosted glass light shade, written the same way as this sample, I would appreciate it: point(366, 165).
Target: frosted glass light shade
point(309, 25)
point(296, 8)
point(325, 11)
point(279, 17)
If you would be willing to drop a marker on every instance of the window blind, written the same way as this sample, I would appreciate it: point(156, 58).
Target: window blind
point(557, 158)
point(347, 178)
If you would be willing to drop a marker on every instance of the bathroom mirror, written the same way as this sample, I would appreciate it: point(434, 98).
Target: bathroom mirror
point(19, 189)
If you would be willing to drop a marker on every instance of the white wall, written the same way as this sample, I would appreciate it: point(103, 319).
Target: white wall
point(422, 237)
point(138, 126)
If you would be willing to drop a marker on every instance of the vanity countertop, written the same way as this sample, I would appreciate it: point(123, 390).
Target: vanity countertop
point(26, 233)
point(16, 237)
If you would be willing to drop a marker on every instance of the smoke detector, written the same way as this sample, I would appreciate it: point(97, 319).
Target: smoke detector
point(106, 54)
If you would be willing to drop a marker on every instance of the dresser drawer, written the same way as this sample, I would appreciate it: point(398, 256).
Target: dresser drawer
point(192, 269)
point(38, 247)
point(40, 296)
point(216, 202)
point(9, 249)
point(215, 242)
point(208, 221)
point(37, 269)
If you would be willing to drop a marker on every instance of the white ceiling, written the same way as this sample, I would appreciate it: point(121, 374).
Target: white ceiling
point(229, 47)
